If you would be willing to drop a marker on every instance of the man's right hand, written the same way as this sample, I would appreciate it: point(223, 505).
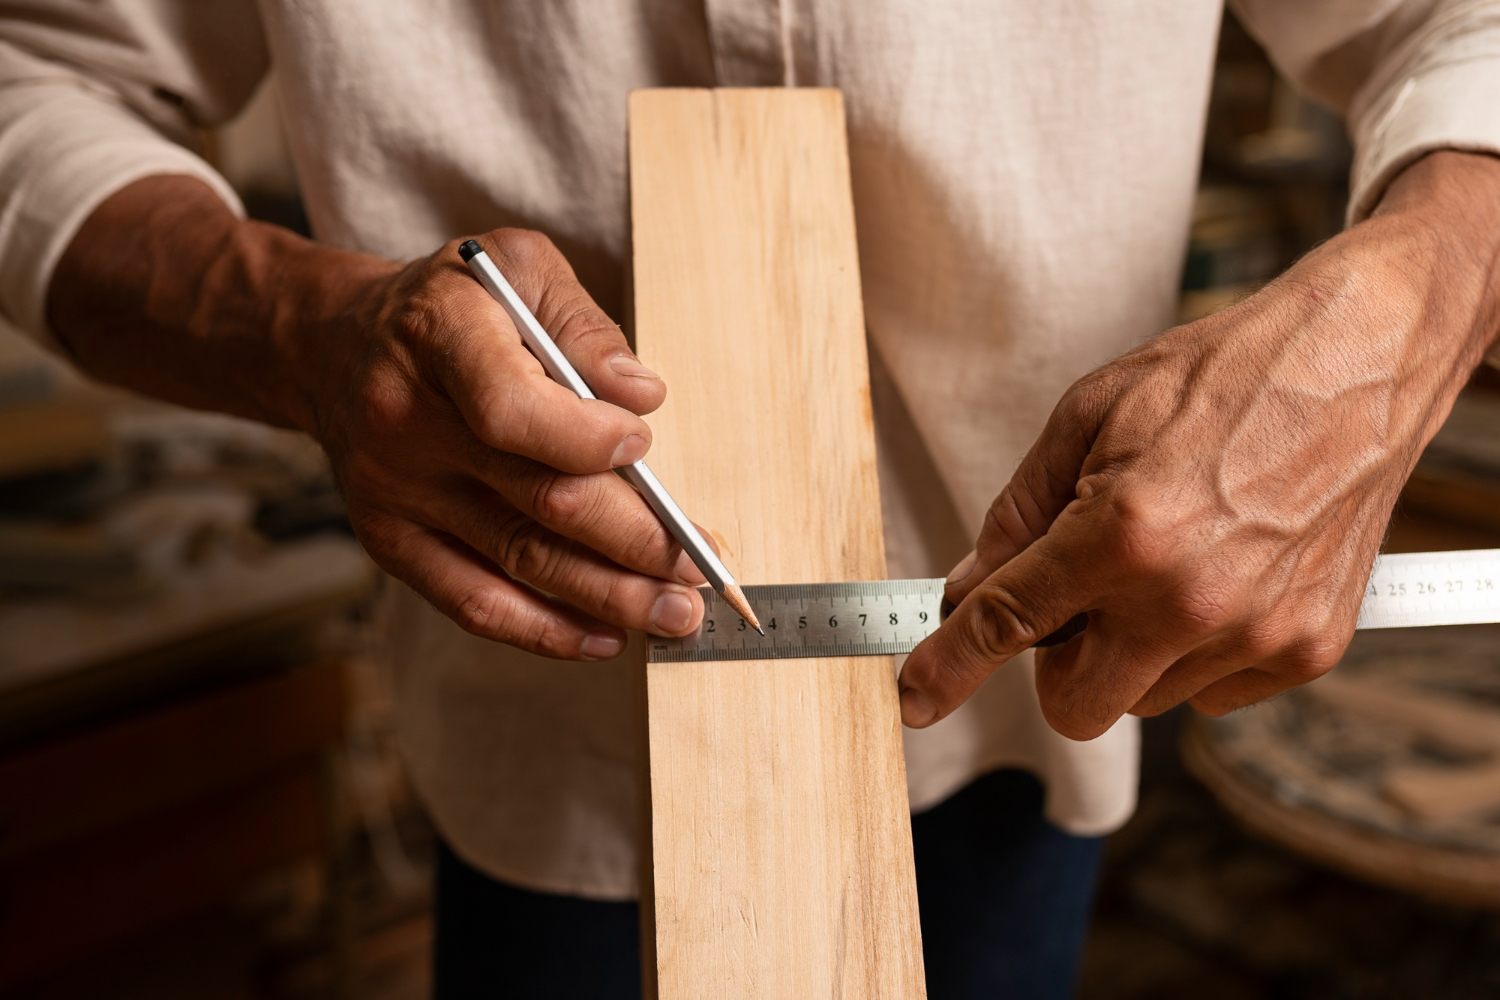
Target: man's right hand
point(467, 472)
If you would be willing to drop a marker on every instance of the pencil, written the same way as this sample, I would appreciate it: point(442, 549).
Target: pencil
point(637, 474)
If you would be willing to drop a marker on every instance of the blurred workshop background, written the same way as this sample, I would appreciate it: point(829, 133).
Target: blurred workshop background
point(200, 793)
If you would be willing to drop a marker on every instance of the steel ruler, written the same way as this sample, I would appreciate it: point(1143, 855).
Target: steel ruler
point(882, 617)
point(877, 618)
point(1433, 588)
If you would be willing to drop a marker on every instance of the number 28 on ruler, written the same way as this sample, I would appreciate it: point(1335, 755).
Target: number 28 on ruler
point(1432, 588)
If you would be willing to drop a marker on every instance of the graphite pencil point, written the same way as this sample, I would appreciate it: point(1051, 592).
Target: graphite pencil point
point(735, 598)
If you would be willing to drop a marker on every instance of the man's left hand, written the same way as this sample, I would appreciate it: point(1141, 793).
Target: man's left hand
point(1215, 499)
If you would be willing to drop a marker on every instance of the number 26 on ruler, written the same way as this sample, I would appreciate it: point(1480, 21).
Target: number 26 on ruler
point(1426, 588)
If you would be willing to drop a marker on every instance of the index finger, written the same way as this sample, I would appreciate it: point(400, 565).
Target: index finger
point(593, 343)
point(512, 405)
point(1028, 598)
point(603, 512)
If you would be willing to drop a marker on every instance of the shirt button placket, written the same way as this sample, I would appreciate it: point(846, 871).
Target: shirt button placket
point(750, 42)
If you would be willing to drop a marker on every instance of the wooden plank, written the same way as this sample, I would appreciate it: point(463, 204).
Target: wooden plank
point(781, 837)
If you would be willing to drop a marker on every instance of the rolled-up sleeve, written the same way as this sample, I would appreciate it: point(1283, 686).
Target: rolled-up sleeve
point(91, 103)
point(1410, 77)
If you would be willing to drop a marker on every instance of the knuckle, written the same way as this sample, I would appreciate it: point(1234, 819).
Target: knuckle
point(509, 419)
point(1070, 720)
point(422, 316)
point(1077, 403)
point(485, 612)
point(525, 245)
point(1214, 707)
point(492, 614)
point(562, 499)
point(582, 322)
point(1001, 625)
point(547, 638)
point(500, 424)
point(1311, 659)
point(523, 550)
point(645, 543)
point(375, 530)
point(1263, 641)
point(384, 404)
point(611, 595)
point(1086, 399)
point(1145, 539)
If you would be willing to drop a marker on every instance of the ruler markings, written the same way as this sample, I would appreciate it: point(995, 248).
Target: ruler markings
point(838, 619)
point(1433, 588)
point(1404, 591)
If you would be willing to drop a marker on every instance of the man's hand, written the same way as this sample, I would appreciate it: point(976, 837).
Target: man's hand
point(468, 473)
point(1215, 499)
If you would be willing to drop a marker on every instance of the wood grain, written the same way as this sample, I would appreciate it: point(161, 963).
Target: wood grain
point(781, 838)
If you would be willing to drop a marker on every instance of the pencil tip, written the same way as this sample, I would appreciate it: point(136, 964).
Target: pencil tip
point(735, 598)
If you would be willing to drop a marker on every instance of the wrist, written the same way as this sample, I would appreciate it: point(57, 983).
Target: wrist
point(164, 290)
point(1444, 210)
point(321, 303)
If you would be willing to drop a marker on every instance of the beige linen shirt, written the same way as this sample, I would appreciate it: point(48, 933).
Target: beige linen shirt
point(1023, 175)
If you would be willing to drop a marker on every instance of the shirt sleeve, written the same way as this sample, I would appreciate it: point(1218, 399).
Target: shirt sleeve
point(1410, 77)
point(96, 96)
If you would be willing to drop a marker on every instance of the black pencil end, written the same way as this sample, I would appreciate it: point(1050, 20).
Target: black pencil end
point(468, 248)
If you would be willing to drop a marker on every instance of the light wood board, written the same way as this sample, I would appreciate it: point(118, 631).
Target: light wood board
point(781, 837)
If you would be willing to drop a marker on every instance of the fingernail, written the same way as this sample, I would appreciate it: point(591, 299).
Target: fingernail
point(917, 710)
point(671, 613)
point(632, 449)
point(626, 365)
point(964, 568)
point(599, 647)
point(687, 571)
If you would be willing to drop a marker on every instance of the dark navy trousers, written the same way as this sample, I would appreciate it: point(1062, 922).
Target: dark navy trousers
point(1005, 900)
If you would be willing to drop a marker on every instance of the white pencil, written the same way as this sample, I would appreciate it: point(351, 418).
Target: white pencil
point(637, 474)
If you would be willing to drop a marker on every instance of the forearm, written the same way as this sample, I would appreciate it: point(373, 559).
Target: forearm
point(467, 473)
point(165, 291)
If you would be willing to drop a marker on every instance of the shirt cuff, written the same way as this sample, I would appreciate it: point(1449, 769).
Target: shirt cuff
point(1451, 106)
point(63, 151)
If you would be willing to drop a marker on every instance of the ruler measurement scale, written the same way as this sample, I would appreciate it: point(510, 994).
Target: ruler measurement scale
point(875, 618)
point(1412, 589)
point(1405, 590)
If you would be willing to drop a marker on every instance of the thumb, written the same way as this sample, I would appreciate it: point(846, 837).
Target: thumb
point(1042, 486)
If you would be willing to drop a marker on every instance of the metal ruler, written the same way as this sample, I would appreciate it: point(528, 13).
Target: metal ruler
point(1433, 588)
point(877, 618)
point(883, 617)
